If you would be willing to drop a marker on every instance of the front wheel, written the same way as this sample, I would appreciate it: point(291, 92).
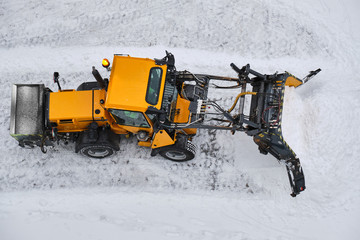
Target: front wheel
point(179, 154)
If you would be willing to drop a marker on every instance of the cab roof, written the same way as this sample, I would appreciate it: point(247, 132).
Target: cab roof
point(128, 83)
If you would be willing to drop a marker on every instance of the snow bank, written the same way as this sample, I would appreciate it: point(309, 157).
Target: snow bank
point(110, 214)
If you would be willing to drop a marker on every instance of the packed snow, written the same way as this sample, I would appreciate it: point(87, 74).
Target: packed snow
point(230, 190)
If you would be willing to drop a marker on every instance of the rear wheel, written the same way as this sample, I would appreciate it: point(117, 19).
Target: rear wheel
point(97, 142)
point(97, 151)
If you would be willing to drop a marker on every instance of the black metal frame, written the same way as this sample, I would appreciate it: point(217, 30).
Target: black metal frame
point(264, 122)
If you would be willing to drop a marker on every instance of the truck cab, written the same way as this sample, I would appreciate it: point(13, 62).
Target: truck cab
point(135, 84)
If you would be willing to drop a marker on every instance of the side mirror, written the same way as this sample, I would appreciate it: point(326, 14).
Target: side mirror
point(56, 77)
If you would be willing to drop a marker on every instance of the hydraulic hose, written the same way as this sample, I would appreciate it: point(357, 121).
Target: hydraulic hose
point(237, 99)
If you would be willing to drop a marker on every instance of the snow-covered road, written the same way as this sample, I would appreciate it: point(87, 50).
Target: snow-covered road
point(229, 191)
point(113, 214)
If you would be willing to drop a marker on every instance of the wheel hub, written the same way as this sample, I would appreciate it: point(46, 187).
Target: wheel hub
point(98, 152)
point(176, 155)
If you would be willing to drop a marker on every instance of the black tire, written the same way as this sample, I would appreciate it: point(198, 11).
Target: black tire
point(97, 151)
point(97, 142)
point(179, 154)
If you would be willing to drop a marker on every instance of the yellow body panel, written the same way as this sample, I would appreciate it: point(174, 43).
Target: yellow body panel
point(162, 139)
point(74, 110)
point(182, 112)
point(98, 96)
point(70, 105)
point(292, 81)
point(128, 83)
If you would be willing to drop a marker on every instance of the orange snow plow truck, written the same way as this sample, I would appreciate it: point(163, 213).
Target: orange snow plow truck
point(163, 107)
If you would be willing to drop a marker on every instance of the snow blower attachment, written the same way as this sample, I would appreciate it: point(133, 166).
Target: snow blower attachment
point(27, 114)
point(163, 107)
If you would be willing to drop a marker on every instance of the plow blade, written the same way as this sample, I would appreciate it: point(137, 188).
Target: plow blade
point(266, 111)
point(273, 143)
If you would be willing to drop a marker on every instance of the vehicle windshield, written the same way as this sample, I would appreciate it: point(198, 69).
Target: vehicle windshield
point(129, 118)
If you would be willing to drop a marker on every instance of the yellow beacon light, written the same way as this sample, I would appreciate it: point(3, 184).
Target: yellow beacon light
point(105, 63)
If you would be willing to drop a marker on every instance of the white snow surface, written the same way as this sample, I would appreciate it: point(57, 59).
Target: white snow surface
point(229, 191)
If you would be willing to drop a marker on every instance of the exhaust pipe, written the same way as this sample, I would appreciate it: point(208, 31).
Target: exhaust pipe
point(98, 78)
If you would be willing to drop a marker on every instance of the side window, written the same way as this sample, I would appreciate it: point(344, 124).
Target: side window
point(129, 118)
point(153, 88)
